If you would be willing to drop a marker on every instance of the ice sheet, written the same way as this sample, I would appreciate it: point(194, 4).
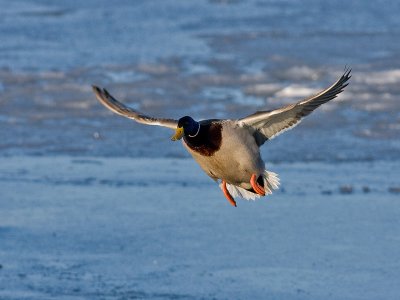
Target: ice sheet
point(90, 228)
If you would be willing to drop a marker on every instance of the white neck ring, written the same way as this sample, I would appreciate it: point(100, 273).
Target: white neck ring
point(198, 130)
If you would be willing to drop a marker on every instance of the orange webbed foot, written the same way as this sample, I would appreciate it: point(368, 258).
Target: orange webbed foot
point(227, 194)
point(256, 187)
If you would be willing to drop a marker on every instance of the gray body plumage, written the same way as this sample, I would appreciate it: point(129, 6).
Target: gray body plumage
point(236, 160)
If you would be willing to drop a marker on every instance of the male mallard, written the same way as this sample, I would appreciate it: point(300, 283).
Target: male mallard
point(228, 150)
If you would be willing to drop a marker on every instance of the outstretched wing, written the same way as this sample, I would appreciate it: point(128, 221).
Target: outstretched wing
point(115, 106)
point(268, 124)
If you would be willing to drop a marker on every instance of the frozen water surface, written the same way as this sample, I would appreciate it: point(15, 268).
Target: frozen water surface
point(93, 206)
point(120, 228)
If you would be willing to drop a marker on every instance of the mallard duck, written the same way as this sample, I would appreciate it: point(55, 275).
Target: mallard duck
point(228, 150)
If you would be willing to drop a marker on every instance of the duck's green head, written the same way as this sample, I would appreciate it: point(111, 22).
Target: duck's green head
point(186, 126)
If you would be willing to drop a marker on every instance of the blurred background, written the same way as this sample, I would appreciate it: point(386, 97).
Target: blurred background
point(209, 59)
point(94, 206)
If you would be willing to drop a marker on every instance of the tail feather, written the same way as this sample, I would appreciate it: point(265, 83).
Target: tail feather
point(237, 191)
point(271, 182)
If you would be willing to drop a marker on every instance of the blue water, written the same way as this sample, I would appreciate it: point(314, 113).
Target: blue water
point(39, 35)
point(210, 59)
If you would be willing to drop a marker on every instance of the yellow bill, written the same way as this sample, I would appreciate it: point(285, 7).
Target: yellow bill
point(178, 134)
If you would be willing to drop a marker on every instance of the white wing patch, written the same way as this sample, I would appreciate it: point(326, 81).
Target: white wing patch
point(297, 122)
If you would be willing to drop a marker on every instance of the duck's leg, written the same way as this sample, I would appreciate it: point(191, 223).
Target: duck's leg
point(227, 194)
point(256, 187)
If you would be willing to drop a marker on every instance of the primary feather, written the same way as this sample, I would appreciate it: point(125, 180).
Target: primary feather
point(269, 124)
point(114, 105)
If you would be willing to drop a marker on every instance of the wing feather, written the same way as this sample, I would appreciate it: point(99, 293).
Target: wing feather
point(268, 124)
point(117, 107)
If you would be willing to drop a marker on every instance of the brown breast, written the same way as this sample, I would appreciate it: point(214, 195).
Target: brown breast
point(208, 140)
